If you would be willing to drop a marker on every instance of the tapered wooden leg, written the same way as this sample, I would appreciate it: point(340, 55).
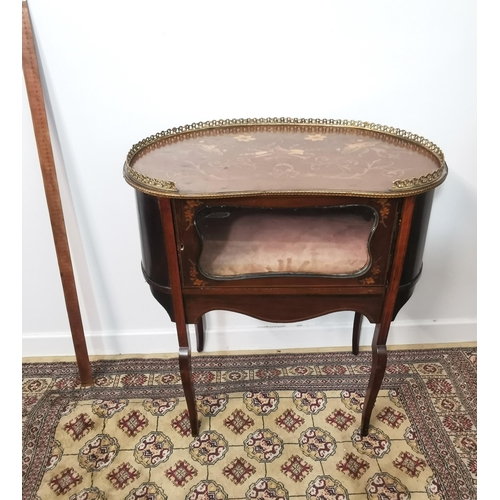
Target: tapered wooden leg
point(200, 334)
point(187, 385)
point(356, 332)
point(178, 309)
point(379, 362)
point(379, 349)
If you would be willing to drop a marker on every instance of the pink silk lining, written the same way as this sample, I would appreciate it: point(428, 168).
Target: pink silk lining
point(329, 244)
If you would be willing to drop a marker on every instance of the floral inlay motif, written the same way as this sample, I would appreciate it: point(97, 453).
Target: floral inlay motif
point(194, 277)
point(370, 280)
point(384, 210)
point(189, 211)
point(359, 147)
point(385, 159)
point(283, 170)
point(244, 138)
point(315, 137)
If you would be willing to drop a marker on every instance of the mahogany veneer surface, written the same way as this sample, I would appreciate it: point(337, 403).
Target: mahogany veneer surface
point(262, 159)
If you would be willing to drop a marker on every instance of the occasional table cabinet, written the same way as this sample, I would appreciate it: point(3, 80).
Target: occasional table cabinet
point(283, 220)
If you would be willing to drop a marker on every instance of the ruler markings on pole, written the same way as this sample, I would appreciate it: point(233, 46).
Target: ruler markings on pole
point(52, 194)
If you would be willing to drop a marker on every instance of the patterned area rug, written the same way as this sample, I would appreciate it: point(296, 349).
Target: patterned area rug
point(273, 426)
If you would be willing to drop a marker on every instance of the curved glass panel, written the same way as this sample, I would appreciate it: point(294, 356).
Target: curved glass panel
point(241, 242)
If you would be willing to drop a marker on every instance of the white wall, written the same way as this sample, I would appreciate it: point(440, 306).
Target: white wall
point(117, 72)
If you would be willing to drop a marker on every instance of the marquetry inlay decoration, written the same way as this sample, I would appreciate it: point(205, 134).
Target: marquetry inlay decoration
point(241, 157)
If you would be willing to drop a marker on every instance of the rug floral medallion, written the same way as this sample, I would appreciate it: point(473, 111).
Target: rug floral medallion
point(273, 426)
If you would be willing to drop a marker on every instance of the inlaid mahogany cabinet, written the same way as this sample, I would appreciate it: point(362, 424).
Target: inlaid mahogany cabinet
point(283, 220)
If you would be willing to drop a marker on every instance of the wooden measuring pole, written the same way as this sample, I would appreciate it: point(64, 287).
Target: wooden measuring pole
point(47, 165)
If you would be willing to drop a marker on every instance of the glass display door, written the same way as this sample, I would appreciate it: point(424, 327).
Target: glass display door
point(245, 242)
